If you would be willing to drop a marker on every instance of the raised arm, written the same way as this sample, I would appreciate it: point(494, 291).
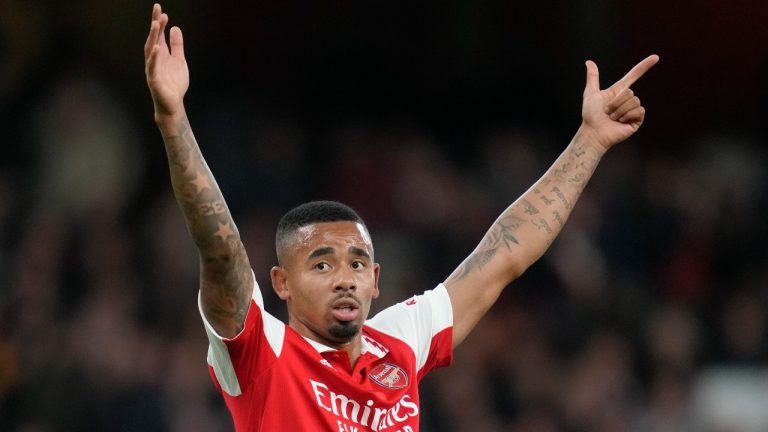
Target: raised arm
point(226, 281)
point(524, 231)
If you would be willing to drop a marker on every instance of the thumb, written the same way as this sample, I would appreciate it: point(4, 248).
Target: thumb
point(593, 78)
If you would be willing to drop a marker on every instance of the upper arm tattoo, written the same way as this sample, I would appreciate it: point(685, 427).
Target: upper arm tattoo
point(546, 207)
point(502, 233)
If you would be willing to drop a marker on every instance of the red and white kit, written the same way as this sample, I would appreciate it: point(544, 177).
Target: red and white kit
point(274, 379)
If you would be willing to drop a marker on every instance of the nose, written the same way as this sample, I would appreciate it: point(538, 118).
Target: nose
point(345, 283)
point(344, 286)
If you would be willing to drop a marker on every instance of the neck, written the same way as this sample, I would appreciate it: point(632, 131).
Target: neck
point(352, 346)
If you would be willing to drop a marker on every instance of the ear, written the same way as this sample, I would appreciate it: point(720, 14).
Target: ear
point(376, 271)
point(280, 282)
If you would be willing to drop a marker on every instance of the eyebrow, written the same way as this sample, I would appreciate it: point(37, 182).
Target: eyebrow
point(329, 251)
point(360, 252)
point(320, 252)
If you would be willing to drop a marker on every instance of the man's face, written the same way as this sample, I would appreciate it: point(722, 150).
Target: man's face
point(328, 279)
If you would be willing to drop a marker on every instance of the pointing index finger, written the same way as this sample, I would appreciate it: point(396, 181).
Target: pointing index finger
point(635, 73)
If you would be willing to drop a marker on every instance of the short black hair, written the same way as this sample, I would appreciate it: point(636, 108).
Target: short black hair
point(310, 213)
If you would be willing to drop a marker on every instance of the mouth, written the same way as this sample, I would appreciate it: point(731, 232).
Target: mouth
point(345, 309)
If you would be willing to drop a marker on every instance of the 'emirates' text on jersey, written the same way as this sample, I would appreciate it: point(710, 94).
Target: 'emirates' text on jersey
point(274, 379)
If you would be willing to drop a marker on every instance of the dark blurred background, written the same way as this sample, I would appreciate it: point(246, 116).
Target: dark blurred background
point(647, 314)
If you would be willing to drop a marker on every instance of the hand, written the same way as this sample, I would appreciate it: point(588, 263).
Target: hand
point(166, 69)
point(612, 115)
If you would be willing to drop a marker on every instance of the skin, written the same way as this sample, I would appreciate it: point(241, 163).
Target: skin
point(310, 285)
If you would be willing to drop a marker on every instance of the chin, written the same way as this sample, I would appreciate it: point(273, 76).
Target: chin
point(345, 330)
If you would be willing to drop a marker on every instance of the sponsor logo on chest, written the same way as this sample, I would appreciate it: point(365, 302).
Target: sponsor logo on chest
point(353, 415)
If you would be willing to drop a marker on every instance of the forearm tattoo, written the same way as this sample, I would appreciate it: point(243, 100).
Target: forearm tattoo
point(533, 221)
point(226, 267)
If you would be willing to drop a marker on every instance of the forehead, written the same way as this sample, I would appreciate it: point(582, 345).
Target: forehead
point(333, 234)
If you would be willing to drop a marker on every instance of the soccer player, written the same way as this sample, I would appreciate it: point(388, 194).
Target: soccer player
point(330, 368)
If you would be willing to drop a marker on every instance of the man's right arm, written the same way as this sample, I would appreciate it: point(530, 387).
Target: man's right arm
point(226, 280)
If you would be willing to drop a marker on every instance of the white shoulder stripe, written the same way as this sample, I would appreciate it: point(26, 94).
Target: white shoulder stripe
point(274, 330)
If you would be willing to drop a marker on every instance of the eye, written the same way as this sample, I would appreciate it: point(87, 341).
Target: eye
point(322, 265)
point(357, 265)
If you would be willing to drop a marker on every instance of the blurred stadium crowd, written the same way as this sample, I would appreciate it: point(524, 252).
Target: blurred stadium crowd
point(648, 313)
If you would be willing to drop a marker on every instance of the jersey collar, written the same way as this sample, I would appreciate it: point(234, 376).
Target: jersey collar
point(367, 345)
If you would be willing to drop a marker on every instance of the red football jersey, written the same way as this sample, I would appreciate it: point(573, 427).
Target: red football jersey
point(274, 379)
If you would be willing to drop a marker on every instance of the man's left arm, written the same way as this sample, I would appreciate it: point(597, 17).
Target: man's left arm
point(524, 231)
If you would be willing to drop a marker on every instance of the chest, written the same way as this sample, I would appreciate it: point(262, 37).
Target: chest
point(377, 390)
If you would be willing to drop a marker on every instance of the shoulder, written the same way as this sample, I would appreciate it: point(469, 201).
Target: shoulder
point(432, 308)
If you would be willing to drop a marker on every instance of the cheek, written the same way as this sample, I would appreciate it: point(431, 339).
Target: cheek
point(370, 280)
point(314, 281)
point(310, 289)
